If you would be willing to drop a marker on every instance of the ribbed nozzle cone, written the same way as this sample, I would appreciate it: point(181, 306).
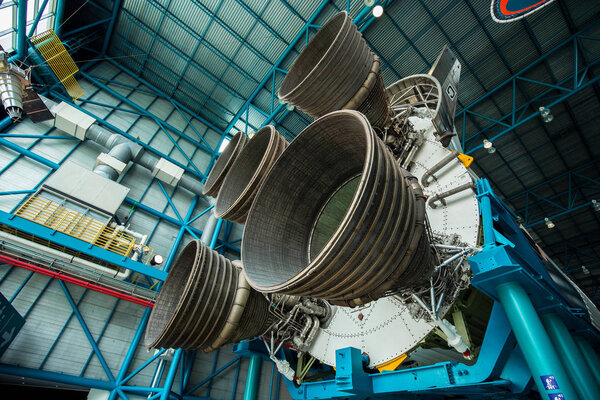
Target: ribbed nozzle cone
point(337, 70)
point(223, 164)
point(205, 303)
point(11, 95)
point(337, 219)
point(247, 174)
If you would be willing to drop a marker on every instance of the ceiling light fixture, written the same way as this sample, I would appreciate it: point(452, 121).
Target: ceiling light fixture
point(489, 146)
point(596, 205)
point(369, 3)
point(545, 114)
point(585, 270)
point(377, 11)
point(156, 260)
point(549, 223)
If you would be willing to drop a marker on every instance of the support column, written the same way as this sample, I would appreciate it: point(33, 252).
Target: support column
point(253, 378)
point(584, 382)
point(22, 29)
point(590, 356)
point(541, 357)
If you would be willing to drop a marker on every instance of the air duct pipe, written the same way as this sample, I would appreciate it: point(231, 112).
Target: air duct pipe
point(69, 259)
point(247, 173)
point(205, 302)
point(217, 174)
point(337, 219)
point(337, 70)
point(117, 144)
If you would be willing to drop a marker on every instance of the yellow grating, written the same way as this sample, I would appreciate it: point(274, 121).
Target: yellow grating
point(57, 57)
point(51, 215)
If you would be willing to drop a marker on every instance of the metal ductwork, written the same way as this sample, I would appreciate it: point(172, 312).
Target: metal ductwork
point(111, 140)
point(337, 219)
point(247, 173)
point(223, 164)
point(337, 70)
point(205, 303)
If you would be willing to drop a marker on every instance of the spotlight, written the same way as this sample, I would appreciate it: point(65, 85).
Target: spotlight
point(596, 205)
point(489, 146)
point(156, 260)
point(545, 114)
point(289, 107)
point(377, 11)
point(549, 223)
point(585, 270)
point(369, 3)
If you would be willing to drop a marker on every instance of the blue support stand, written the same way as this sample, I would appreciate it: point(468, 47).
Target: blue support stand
point(590, 356)
point(511, 271)
point(548, 373)
point(253, 378)
point(584, 383)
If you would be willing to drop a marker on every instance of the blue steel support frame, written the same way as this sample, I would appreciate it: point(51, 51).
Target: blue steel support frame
point(22, 29)
point(507, 268)
point(554, 93)
point(117, 385)
point(538, 206)
point(59, 17)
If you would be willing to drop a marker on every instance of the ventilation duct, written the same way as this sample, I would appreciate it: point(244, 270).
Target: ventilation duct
point(248, 173)
point(205, 303)
point(337, 70)
point(337, 219)
point(223, 164)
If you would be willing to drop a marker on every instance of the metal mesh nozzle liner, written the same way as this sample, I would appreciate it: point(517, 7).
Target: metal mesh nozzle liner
point(337, 219)
point(337, 70)
point(223, 164)
point(247, 173)
point(205, 303)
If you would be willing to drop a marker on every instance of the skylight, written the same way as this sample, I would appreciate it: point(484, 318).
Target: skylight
point(8, 20)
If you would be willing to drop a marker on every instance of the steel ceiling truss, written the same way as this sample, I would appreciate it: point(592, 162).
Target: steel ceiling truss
point(581, 186)
point(494, 126)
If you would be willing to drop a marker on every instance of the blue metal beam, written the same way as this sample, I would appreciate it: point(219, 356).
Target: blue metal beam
point(22, 29)
point(59, 16)
point(515, 118)
point(539, 205)
point(87, 332)
point(111, 26)
point(93, 251)
point(163, 95)
point(277, 65)
point(55, 377)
